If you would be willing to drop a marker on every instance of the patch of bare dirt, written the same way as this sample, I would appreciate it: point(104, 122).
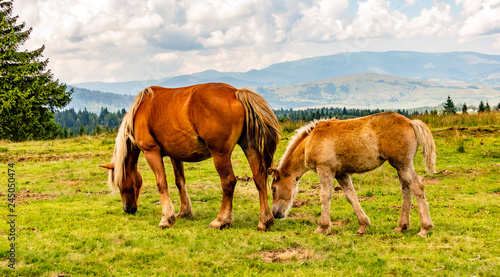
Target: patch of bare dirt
point(294, 254)
point(300, 202)
point(25, 196)
point(245, 178)
point(367, 198)
point(399, 207)
point(54, 157)
point(72, 183)
point(103, 192)
point(445, 172)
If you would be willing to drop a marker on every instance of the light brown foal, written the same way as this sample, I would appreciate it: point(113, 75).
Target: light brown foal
point(335, 149)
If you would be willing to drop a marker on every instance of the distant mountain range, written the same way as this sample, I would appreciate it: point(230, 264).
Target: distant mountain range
point(399, 79)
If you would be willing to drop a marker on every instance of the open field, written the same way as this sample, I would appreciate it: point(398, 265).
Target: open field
point(68, 223)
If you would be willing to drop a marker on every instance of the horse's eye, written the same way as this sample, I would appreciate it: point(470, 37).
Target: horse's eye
point(274, 189)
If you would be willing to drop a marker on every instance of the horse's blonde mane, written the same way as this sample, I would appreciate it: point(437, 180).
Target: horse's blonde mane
point(300, 134)
point(125, 133)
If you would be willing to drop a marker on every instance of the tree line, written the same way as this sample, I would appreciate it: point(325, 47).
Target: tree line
point(338, 113)
point(72, 123)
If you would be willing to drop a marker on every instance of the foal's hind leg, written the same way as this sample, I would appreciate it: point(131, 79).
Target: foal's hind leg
point(180, 182)
point(228, 182)
point(155, 161)
point(404, 220)
point(349, 192)
point(409, 178)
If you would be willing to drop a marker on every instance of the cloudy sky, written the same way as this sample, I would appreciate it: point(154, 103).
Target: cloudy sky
point(116, 40)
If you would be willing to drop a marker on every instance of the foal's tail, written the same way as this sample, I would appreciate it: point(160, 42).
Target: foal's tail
point(261, 125)
point(125, 142)
point(425, 139)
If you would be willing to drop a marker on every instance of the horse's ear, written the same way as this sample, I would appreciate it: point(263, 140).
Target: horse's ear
point(108, 166)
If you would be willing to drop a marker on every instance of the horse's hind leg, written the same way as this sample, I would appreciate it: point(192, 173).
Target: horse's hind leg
point(349, 192)
point(259, 176)
point(180, 182)
point(155, 161)
point(228, 182)
point(409, 178)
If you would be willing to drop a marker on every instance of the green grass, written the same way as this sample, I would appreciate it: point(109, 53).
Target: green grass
point(68, 223)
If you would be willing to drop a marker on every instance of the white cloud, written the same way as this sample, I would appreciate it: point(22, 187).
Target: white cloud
point(375, 19)
point(90, 40)
point(480, 17)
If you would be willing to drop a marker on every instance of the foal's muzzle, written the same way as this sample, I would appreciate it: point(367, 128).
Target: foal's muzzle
point(278, 214)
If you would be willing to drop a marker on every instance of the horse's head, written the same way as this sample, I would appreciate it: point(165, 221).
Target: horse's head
point(130, 187)
point(284, 189)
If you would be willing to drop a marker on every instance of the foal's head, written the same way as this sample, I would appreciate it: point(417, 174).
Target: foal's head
point(284, 189)
point(130, 186)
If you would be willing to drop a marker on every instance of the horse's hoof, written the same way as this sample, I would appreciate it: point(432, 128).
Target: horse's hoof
point(167, 222)
point(264, 227)
point(218, 225)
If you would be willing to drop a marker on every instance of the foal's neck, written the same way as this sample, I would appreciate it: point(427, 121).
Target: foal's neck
point(294, 163)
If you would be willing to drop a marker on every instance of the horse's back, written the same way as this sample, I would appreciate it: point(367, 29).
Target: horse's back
point(185, 122)
point(361, 144)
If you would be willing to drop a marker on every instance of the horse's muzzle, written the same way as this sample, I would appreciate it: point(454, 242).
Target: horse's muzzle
point(130, 209)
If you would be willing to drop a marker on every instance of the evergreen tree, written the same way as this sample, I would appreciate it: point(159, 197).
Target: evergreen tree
point(487, 108)
point(449, 106)
point(464, 109)
point(481, 108)
point(28, 94)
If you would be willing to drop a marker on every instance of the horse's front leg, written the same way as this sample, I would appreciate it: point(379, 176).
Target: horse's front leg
point(180, 182)
point(155, 161)
point(326, 176)
point(228, 182)
point(349, 192)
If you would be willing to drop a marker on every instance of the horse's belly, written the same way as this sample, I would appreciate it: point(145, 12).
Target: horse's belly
point(186, 150)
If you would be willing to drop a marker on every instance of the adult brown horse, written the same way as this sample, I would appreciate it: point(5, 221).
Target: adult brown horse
point(339, 148)
point(192, 124)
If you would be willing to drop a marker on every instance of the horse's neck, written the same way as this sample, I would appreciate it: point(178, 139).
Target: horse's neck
point(295, 165)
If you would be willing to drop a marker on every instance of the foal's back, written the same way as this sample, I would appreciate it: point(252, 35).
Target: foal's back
point(361, 144)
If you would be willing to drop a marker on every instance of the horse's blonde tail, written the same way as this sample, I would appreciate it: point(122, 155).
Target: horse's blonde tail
point(125, 142)
point(261, 125)
point(425, 139)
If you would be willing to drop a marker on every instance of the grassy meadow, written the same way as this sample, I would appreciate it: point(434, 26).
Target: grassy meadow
point(69, 224)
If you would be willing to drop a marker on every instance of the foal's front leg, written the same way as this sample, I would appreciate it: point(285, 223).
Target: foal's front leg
point(326, 182)
point(349, 192)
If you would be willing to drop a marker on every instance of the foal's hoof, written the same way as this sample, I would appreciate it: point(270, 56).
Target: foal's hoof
point(323, 230)
point(400, 229)
point(167, 222)
point(423, 233)
point(184, 214)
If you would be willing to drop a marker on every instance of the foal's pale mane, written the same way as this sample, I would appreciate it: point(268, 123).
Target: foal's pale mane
point(300, 135)
point(125, 133)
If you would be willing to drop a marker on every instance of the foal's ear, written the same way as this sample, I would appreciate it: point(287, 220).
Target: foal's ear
point(273, 171)
point(108, 166)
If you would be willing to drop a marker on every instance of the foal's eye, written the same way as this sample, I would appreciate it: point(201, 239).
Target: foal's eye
point(274, 189)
